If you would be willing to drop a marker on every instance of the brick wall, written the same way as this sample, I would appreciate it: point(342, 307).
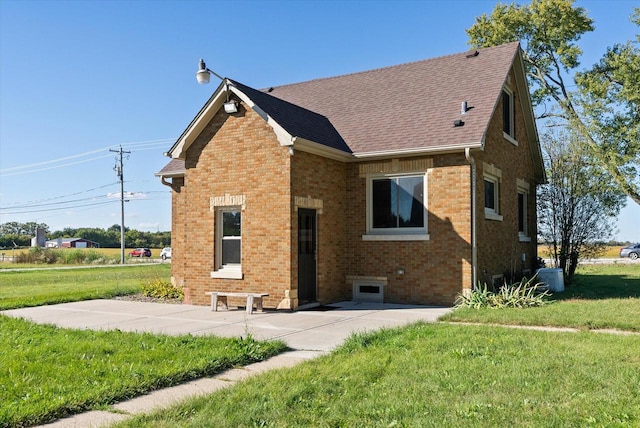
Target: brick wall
point(323, 179)
point(178, 240)
point(436, 270)
point(499, 248)
point(239, 155)
point(235, 155)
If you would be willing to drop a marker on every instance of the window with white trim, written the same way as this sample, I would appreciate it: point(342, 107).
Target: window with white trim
point(228, 237)
point(396, 207)
point(508, 115)
point(523, 204)
point(492, 177)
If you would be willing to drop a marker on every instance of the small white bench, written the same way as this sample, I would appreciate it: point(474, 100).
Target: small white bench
point(221, 296)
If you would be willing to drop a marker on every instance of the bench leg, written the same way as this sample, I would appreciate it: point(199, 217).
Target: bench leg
point(249, 304)
point(214, 302)
point(259, 304)
point(215, 299)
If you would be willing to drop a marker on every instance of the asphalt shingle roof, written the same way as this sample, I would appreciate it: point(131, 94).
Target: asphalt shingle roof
point(298, 121)
point(409, 106)
point(173, 168)
point(403, 108)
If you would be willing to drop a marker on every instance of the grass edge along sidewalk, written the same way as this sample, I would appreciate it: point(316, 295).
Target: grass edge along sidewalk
point(434, 375)
point(488, 375)
point(50, 372)
point(61, 370)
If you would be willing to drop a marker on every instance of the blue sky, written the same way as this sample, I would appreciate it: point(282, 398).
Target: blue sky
point(78, 78)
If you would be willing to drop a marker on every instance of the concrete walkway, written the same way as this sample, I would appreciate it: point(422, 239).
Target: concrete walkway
point(308, 333)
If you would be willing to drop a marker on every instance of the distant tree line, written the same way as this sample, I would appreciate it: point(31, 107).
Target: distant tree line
point(20, 234)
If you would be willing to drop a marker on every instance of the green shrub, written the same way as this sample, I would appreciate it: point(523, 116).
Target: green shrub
point(84, 256)
point(73, 257)
point(37, 255)
point(67, 256)
point(161, 289)
point(526, 293)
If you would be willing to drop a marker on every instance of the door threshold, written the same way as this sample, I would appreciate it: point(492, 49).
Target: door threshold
point(307, 306)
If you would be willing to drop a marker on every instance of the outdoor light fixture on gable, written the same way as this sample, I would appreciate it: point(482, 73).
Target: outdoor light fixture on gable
point(203, 76)
point(231, 107)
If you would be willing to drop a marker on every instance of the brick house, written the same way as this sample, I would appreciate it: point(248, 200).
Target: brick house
point(404, 184)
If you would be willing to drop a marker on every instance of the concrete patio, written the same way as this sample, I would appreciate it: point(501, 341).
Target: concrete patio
point(320, 329)
point(309, 334)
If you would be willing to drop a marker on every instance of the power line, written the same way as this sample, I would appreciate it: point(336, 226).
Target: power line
point(53, 198)
point(63, 208)
point(43, 203)
point(54, 167)
point(142, 145)
point(51, 161)
point(86, 207)
point(53, 203)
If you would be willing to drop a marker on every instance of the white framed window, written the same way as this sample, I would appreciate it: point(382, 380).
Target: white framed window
point(228, 243)
point(396, 207)
point(508, 116)
point(523, 204)
point(492, 178)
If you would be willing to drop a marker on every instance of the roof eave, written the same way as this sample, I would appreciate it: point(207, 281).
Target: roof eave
point(417, 151)
point(208, 111)
point(312, 147)
point(170, 174)
point(529, 119)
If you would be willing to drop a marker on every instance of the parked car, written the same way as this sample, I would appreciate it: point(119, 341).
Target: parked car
point(632, 251)
point(165, 253)
point(140, 252)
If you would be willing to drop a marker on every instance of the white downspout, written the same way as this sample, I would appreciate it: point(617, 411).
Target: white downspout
point(474, 248)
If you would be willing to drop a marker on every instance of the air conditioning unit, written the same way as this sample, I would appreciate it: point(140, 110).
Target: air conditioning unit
point(553, 278)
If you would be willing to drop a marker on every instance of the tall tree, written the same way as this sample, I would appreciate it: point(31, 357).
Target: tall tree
point(17, 228)
point(610, 103)
point(549, 31)
point(577, 207)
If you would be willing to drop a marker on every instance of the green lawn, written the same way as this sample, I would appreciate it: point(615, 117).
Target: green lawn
point(437, 375)
point(602, 297)
point(49, 286)
point(434, 375)
point(422, 375)
point(48, 372)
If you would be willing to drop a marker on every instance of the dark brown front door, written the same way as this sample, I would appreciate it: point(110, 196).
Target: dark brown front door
point(306, 255)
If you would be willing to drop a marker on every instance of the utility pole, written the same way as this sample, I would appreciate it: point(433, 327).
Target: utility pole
point(119, 169)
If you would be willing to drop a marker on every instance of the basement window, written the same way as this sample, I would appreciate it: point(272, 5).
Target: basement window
point(368, 291)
